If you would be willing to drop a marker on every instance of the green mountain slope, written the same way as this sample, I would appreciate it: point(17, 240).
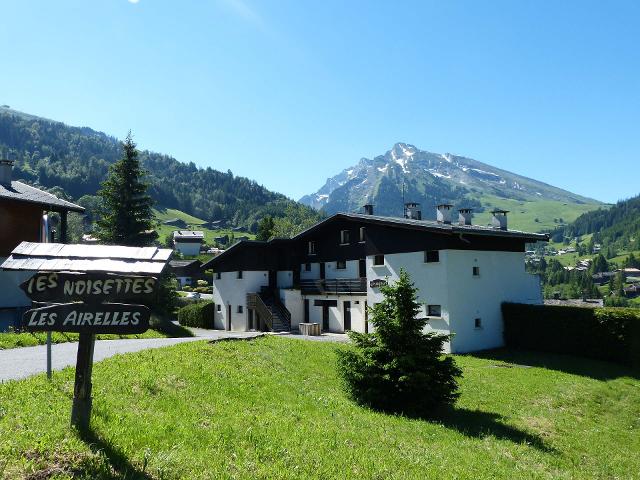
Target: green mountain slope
point(52, 154)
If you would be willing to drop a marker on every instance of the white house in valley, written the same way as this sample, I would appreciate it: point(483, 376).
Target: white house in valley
point(188, 242)
point(333, 271)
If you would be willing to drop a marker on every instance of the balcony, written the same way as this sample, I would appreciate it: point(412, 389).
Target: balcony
point(340, 286)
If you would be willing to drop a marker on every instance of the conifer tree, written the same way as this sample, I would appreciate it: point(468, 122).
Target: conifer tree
point(126, 217)
point(399, 367)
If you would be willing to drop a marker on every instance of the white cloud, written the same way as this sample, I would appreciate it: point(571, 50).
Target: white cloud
point(133, 1)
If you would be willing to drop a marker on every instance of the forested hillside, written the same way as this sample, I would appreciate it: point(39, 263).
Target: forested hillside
point(617, 227)
point(52, 154)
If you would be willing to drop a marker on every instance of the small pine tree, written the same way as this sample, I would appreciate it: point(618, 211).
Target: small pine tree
point(266, 228)
point(399, 368)
point(126, 217)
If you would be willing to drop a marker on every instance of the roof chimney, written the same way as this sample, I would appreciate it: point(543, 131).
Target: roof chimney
point(368, 209)
point(5, 172)
point(499, 219)
point(412, 211)
point(465, 215)
point(443, 215)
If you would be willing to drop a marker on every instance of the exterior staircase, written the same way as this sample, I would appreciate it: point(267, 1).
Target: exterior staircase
point(271, 310)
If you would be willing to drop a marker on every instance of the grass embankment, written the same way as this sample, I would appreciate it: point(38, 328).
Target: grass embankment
point(273, 408)
point(162, 329)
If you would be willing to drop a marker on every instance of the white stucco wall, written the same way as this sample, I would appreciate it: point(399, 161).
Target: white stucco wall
point(230, 290)
point(187, 248)
point(430, 278)
point(312, 274)
point(336, 314)
point(331, 272)
point(292, 300)
point(463, 298)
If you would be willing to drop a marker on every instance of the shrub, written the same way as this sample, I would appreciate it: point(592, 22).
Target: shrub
point(202, 283)
point(197, 315)
point(186, 288)
point(399, 368)
point(603, 333)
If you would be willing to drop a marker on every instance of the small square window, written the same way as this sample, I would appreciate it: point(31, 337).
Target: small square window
point(218, 275)
point(432, 256)
point(378, 260)
point(476, 271)
point(312, 248)
point(344, 237)
point(362, 234)
point(307, 267)
point(434, 310)
point(239, 274)
point(219, 307)
point(239, 308)
point(477, 323)
point(341, 265)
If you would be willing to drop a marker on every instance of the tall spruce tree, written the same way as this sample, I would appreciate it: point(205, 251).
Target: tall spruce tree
point(399, 367)
point(126, 216)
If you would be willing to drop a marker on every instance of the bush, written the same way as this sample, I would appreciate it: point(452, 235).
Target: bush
point(186, 288)
point(611, 334)
point(202, 283)
point(399, 368)
point(198, 315)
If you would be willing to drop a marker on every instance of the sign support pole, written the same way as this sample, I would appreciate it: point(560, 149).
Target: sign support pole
point(81, 410)
point(49, 355)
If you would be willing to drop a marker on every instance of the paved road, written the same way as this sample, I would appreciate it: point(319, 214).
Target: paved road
point(17, 363)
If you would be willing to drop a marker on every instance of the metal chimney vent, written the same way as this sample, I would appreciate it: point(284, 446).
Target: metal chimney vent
point(6, 166)
point(443, 214)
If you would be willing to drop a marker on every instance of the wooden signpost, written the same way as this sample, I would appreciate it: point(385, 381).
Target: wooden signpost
point(83, 305)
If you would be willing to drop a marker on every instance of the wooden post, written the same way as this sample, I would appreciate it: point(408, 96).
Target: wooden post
point(81, 410)
point(63, 227)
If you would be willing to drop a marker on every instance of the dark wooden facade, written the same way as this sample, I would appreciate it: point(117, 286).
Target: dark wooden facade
point(19, 221)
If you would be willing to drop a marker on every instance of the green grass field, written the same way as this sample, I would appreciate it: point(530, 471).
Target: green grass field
point(164, 231)
point(523, 213)
point(273, 408)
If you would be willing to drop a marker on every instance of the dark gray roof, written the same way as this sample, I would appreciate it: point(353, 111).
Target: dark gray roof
point(435, 226)
point(56, 257)
point(21, 192)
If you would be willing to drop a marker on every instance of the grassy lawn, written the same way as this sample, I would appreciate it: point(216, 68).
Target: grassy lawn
point(273, 408)
point(25, 339)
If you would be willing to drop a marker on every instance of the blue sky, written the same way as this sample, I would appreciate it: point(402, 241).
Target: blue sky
point(289, 92)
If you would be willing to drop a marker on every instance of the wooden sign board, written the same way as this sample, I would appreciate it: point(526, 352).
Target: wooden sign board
point(115, 318)
point(89, 287)
point(377, 283)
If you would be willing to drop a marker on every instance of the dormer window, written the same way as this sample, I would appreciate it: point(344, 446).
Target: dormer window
point(344, 237)
point(362, 234)
point(311, 248)
point(341, 265)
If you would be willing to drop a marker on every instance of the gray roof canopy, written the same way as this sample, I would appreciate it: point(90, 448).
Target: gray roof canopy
point(56, 257)
point(21, 192)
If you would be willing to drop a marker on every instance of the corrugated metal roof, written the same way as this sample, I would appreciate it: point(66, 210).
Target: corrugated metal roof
point(21, 192)
point(91, 258)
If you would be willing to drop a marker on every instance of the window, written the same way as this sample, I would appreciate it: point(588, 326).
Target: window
point(239, 308)
point(362, 234)
point(239, 275)
point(219, 307)
point(218, 275)
point(432, 256)
point(476, 271)
point(341, 265)
point(378, 260)
point(307, 267)
point(434, 310)
point(478, 323)
point(312, 248)
point(344, 237)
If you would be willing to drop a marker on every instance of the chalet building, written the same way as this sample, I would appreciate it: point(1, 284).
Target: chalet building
point(188, 242)
point(21, 210)
point(187, 272)
point(333, 271)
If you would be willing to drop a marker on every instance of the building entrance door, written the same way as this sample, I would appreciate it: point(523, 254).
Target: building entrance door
point(347, 315)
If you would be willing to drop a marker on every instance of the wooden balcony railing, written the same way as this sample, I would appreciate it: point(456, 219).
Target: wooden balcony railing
point(339, 286)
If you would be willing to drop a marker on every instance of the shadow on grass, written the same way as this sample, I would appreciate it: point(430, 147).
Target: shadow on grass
point(586, 367)
point(479, 424)
point(165, 325)
point(120, 465)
